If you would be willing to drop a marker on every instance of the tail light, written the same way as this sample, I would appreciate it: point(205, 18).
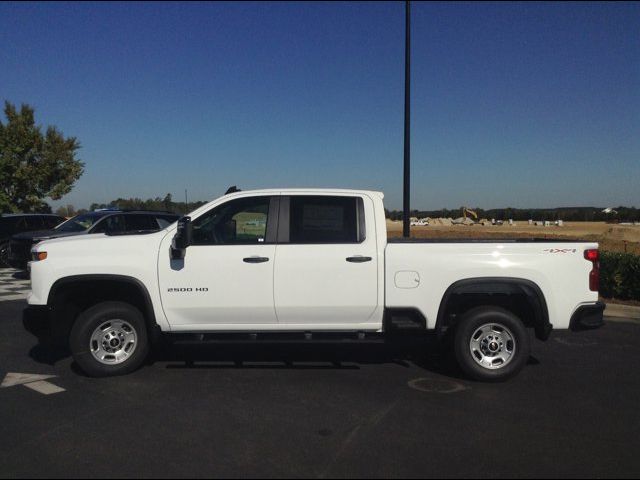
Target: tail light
point(594, 275)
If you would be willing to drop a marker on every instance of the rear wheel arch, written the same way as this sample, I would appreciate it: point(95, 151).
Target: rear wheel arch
point(504, 292)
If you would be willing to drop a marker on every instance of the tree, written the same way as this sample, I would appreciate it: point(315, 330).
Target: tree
point(33, 165)
point(68, 211)
point(166, 202)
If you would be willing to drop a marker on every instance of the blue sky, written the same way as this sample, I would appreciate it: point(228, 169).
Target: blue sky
point(515, 104)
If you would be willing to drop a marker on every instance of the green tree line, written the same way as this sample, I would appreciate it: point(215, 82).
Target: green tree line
point(569, 214)
point(165, 203)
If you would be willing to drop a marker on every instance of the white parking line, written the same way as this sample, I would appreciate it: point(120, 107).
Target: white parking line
point(33, 381)
point(12, 379)
point(44, 387)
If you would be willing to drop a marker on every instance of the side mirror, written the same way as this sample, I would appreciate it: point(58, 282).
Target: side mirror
point(182, 238)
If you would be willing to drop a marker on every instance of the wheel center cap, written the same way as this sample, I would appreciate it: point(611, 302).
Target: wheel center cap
point(493, 346)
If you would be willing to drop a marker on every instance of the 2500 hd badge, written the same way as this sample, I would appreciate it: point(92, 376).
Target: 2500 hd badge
point(187, 289)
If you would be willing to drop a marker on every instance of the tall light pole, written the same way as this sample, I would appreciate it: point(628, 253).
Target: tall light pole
point(407, 121)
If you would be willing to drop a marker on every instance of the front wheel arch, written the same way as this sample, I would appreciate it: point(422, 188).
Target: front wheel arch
point(70, 296)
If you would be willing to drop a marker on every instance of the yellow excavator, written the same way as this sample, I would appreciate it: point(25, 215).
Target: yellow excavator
point(464, 220)
point(466, 210)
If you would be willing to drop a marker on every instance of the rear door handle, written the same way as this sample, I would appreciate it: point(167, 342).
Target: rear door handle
point(255, 259)
point(358, 259)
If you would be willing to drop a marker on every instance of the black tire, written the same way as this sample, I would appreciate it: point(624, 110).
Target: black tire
point(469, 325)
point(99, 315)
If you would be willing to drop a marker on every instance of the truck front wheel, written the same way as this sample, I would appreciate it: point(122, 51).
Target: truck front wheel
point(109, 338)
point(491, 344)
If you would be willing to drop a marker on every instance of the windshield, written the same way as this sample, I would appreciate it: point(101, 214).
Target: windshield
point(80, 223)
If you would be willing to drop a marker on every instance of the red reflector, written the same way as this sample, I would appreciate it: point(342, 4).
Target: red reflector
point(594, 280)
point(594, 275)
point(591, 255)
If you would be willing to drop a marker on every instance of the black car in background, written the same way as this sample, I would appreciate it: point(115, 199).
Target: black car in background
point(99, 221)
point(13, 223)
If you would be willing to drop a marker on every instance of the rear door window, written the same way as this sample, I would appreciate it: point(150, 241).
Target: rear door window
point(51, 222)
point(110, 224)
point(34, 222)
point(324, 219)
point(140, 222)
point(21, 225)
point(7, 226)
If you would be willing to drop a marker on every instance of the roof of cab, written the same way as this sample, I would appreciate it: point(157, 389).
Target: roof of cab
point(286, 191)
point(13, 215)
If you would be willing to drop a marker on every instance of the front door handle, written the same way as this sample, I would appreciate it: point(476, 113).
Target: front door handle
point(358, 259)
point(255, 259)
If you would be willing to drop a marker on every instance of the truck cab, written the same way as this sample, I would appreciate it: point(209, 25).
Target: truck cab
point(295, 260)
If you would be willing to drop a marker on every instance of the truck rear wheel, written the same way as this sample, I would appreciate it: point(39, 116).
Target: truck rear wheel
point(109, 339)
point(491, 344)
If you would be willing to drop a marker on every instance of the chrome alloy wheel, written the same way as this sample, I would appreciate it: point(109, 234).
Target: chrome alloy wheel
point(492, 346)
point(113, 342)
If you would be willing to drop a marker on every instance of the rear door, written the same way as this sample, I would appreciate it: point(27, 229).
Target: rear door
point(326, 270)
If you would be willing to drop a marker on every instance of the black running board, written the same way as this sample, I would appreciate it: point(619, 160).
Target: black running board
point(276, 338)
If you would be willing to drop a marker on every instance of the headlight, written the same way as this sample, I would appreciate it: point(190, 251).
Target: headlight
point(37, 256)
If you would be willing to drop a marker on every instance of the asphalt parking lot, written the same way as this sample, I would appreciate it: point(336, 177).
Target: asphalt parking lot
point(323, 411)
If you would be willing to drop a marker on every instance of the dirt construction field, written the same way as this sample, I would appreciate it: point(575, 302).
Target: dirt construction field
point(612, 237)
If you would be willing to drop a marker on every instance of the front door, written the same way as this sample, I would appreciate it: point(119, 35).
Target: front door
point(226, 278)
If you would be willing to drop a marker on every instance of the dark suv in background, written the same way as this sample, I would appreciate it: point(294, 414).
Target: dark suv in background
point(13, 223)
point(110, 222)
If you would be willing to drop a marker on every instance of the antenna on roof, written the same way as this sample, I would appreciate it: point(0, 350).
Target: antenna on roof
point(233, 189)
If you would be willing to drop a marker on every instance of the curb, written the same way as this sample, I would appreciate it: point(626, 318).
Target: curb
point(618, 312)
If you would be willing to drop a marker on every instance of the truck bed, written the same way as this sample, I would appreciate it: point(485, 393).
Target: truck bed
point(418, 272)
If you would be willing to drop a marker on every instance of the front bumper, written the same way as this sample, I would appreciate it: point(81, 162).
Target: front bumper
point(49, 329)
point(588, 317)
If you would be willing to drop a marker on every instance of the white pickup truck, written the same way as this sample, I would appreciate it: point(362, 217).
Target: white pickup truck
point(308, 263)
